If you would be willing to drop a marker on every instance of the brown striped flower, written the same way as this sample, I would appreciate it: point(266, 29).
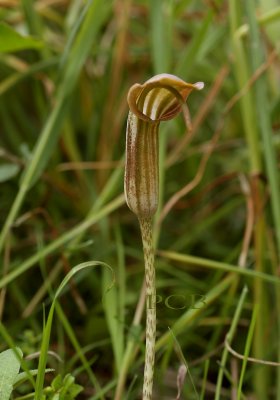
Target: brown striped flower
point(158, 99)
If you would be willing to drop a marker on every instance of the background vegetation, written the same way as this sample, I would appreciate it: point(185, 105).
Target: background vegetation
point(65, 69)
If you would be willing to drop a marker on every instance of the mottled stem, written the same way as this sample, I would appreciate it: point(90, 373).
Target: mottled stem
point(147, 239)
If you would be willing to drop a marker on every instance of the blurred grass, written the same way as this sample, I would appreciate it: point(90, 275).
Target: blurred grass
point(63, 114)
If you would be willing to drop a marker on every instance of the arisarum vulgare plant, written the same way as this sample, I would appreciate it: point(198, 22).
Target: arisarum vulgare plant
point(158, 99)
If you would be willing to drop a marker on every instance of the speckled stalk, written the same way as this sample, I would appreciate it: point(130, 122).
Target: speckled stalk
point(147, 239)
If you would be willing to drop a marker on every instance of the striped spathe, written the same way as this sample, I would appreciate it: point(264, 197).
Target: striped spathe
point(158, 99)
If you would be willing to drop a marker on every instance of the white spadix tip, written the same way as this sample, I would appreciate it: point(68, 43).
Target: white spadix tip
point(199, 85)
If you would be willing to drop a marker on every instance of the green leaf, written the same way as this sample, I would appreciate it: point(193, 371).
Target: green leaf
point(64, 388)
point(23, 376)
point(11, 40)
point(8, 171)
point(9, 368)
point(57, 382)
point(75, 389)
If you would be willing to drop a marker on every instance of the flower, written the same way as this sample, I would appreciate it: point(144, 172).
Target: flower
point(158, 99)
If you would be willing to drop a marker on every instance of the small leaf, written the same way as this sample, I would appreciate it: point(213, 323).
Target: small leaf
point(11, 40)
point(9, 369)
point(57, 382)
point(23, 376)
point(8, 171)
point(74, 390)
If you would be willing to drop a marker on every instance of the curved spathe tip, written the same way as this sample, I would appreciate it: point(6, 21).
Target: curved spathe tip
point(199, 85)
point(160, 98)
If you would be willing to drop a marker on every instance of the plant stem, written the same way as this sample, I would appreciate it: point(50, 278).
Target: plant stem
point(147, 240)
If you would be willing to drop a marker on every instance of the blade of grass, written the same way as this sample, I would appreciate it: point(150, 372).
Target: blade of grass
point(110, 303)
point(243, 76)
point(230, 336)
point(86, 365)
point(105, 389)
point(247, 349)
point(204, 380)
point(32, 17)
point(211, 264)
point(184, 362)
point(131, 345)
point(268, 17)
point(161, 34)
point(48, 327)
point(121, 285)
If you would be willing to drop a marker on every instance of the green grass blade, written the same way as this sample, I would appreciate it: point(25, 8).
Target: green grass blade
point(229, 337)
point(211, 264)
point(247, 350)
point(47, 329)
point(204, 380)
point(243, 76)
point(72, 337)
point(161, 34)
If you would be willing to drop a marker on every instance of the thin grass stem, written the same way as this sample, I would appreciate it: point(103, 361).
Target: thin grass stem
point(247, 349)
point(229, 339)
